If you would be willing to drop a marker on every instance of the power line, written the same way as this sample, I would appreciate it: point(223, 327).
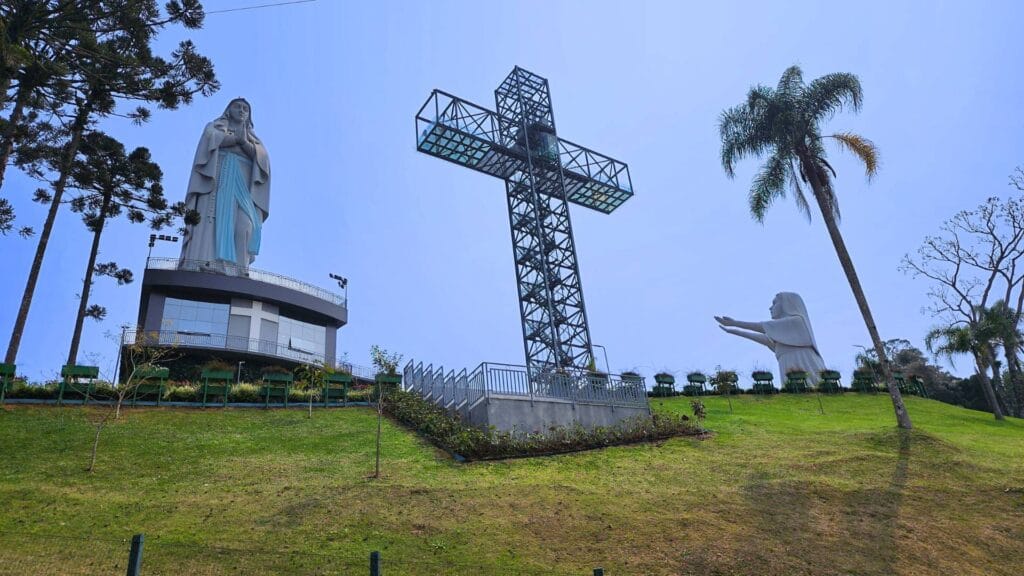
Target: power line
point(258, 7)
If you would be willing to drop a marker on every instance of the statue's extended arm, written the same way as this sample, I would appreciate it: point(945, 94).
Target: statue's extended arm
point(755, 336)
point(752, 326)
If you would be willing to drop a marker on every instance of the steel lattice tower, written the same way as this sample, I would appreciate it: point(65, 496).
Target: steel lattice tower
point(542, 174)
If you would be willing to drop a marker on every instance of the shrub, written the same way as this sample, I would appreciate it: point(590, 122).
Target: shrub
point(21, 389)
point(218, 365)
point(698, 409)
point(360, 395)
point(103, 391)
point(245, 393)
point(274, 369)
point(296, 395)
point(182, 393)
point(473, 443)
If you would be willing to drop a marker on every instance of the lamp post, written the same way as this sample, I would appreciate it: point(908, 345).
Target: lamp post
point(238, 378)
point(342, 283)
point(607, 366)
point(152, 241)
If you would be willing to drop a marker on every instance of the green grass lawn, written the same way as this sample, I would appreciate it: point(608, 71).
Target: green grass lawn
point(779, 489)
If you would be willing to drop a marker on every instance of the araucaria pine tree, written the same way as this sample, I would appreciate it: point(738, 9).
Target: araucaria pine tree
point(103, 60)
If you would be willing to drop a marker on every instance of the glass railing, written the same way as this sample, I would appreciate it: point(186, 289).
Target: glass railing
point(172, 339)
point(228, 269)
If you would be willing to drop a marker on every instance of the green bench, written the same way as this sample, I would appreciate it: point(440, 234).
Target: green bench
point(277, 385)
point(6, 379)
point(863, 381)
point(336, 385)
point(917, 386)
point(217, 383)
point(145, 387)
point(763, 382)
point(695, 384)
point(796, 382)
point(829, 383)
point(664, 384)
point(71, 374)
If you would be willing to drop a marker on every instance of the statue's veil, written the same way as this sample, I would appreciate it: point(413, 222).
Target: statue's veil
point(794, 327)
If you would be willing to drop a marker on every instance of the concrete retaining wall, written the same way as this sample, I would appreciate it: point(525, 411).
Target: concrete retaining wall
point(515, 412)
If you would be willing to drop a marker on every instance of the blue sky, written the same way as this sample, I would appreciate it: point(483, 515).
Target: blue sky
point(335, 86)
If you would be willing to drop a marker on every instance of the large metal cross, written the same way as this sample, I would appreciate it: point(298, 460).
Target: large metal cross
point(542, 173)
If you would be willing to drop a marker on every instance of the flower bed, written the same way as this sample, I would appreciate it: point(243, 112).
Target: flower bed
point(472, 443)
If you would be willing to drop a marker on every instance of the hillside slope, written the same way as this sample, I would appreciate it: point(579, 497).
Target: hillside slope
point(779, 489)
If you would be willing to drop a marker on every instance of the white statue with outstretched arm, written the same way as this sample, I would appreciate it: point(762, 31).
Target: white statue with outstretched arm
point(788, 334)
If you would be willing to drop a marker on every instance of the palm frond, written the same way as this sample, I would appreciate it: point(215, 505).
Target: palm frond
point(741, 136)
point(862, 148)
point(769, 184)
point(760, 97)
point(798, 191)
point(792, 82)
point(823, 162)
point(825, 96)
point(949, 341)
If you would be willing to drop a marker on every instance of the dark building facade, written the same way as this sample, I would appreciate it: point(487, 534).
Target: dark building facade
point(235, 315)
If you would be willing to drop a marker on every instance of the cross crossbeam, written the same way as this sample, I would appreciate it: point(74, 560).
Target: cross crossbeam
point(542, 173)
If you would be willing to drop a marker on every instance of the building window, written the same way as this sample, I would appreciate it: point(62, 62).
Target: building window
point(191, 322)
point(301, 338)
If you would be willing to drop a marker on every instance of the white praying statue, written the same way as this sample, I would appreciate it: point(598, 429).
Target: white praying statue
point(788, 334)
point(230, 190)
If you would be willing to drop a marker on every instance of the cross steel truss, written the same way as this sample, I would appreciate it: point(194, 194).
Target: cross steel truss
point(542, 174)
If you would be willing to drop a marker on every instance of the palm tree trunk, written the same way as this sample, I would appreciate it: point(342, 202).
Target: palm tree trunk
point(81, 119)
point(87, 283)
point(1016, 393)
point(986, 387)
point(902, 417)
point(997, 384)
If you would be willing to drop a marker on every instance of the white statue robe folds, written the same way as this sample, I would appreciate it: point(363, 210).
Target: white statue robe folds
point(200, 243)
point(794, 346)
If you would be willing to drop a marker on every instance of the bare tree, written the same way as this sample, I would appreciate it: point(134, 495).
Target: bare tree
point(314, 374)
point(139, 359)
point(976, 268)
point(386, 364)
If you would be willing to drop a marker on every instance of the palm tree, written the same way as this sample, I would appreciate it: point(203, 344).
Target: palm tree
point(971, 339)
point(999, 322)
point(784, 124)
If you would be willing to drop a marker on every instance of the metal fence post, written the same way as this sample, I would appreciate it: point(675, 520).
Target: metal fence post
point(135, 555)
point(374, 563)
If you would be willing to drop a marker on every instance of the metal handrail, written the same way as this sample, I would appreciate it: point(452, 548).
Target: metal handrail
point(490, 379)
point(229, 269)
point(172, 338)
